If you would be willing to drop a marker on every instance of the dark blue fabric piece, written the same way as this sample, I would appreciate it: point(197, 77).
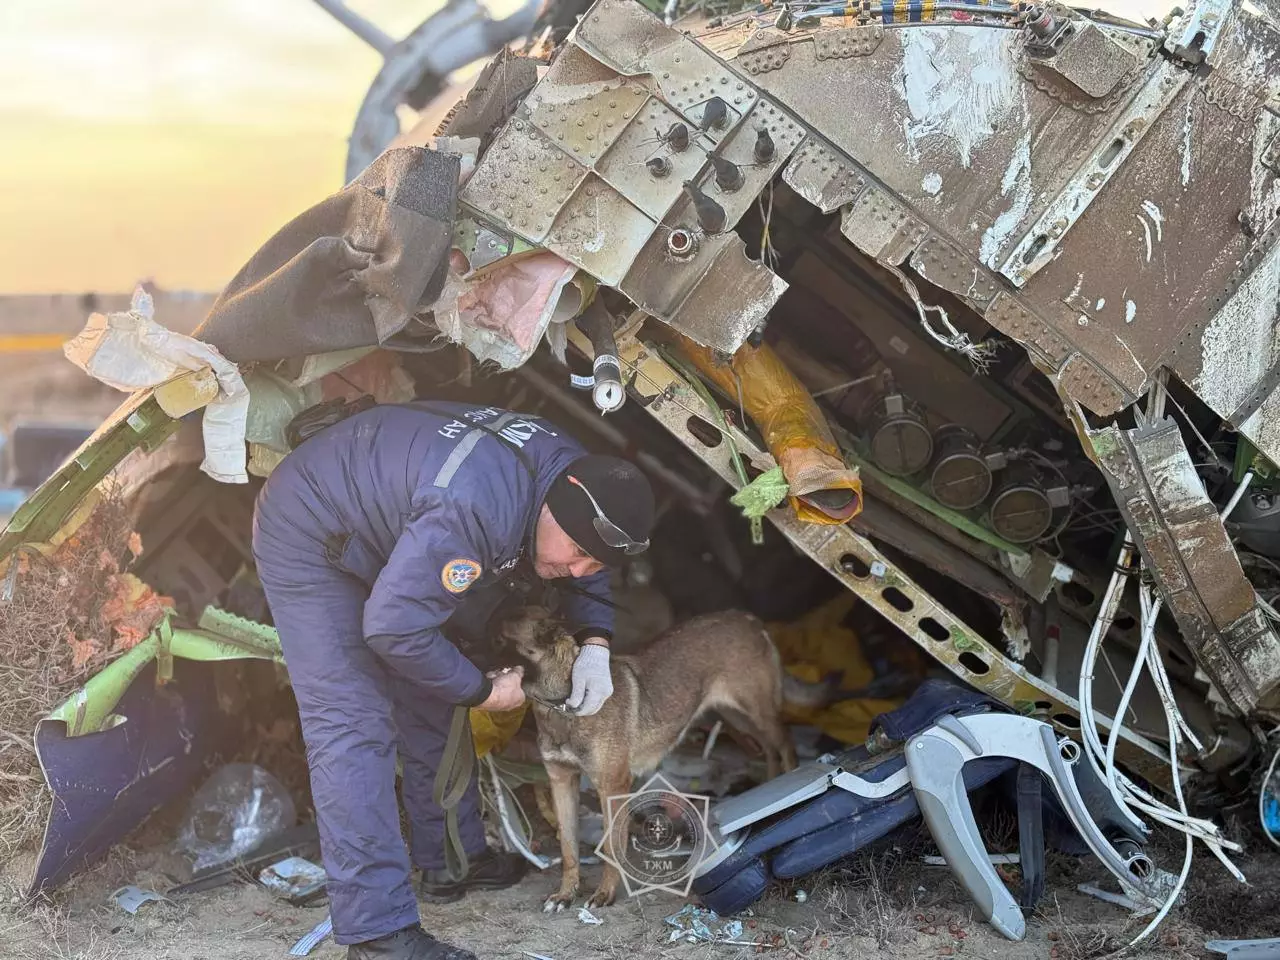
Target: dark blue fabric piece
point(105, 784)
point(820, 847)
point(933, 699)
point(738, 891)
point(839, 822)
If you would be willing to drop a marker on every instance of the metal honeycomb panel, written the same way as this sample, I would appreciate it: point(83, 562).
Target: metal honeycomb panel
point(600, 231)
point(523, 180)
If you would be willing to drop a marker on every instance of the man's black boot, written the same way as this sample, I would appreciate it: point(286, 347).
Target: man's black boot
point(411, 943)
point(489, 871)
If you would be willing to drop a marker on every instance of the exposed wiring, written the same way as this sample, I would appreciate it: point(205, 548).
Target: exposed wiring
point(1194, 429)
point(979, 354)
point(1103, 758)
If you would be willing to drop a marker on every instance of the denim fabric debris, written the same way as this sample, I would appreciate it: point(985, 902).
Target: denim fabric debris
point(312, 939)
point(700, 925)
point(131, 898)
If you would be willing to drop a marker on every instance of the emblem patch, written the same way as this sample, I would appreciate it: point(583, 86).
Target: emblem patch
point(458, 575)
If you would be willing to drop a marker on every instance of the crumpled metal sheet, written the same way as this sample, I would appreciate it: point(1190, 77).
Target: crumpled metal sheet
point(1186, 548)
point(569, 171)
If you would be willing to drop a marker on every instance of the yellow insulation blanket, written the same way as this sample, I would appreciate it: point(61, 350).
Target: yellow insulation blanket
point(823, 489)
point(818, 645)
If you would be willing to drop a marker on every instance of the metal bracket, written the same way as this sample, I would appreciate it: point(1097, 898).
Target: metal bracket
point(1039, 244)
point(1193, 39)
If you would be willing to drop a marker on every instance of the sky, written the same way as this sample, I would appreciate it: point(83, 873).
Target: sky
point(168, 139)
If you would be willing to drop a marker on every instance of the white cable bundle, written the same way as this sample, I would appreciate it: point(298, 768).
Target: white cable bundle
point(1103, 758)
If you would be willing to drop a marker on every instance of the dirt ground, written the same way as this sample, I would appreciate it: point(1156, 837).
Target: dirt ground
point(885, 903)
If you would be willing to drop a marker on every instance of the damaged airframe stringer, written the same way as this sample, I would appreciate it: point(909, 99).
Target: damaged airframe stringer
point(1076, 182)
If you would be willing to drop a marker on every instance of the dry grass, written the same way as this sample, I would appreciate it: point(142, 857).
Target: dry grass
point(869, 910)
point(53, 636)
point(872, 894)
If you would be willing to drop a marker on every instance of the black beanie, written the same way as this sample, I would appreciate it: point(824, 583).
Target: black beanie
point(623, 493)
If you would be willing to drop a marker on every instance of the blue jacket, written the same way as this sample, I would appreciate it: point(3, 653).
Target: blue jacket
point(421, 507)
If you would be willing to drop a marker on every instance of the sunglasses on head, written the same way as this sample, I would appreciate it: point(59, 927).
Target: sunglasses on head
point(608, 531)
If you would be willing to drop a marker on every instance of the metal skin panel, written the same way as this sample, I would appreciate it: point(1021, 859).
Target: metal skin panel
point(1185, 546)
point(600, 231)
point(944, 117)
point(1093, 61)
point(1157, 254)
point(822, 176)
point(669, 399)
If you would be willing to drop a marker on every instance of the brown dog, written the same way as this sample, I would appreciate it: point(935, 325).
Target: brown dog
point(724, 662)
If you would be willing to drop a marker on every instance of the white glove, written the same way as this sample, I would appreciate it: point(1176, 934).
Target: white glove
point(592, 683)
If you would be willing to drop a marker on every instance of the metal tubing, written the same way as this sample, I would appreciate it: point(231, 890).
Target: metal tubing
point(362, 28)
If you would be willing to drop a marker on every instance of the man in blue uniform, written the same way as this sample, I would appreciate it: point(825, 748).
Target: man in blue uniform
point(384, 542)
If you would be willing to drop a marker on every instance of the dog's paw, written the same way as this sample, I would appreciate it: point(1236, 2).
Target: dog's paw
point(601, 898)
point(558, 902)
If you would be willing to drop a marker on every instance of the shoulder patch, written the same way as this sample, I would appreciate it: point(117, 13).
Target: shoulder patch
point(460, 574)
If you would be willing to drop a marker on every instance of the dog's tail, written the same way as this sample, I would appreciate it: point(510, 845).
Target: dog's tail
point(801, 694)
point(809, 695)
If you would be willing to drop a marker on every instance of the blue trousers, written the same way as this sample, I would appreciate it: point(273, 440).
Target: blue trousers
point(357, 718)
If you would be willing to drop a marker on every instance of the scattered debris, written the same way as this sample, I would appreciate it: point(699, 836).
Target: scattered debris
point(300, 841)
point(586, 916)
point(997, 859)
point(801, 896)
point(294, 879)
point(697, 925)
point(131, 898)
point(236, 809)
point(1246, 949)
point(1137, 908)
point(308, 943)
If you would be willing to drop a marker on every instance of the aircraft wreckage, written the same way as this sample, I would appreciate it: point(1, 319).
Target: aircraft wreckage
point(995, 285)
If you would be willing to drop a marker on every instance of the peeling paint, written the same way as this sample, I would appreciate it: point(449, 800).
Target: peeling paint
point(958, 83)
point(1239, 344)
point(1186, 143)
point(1130, 311)
point(1146, 229)
point(1016, 180)
point(1157, 218)
point(932, 184)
